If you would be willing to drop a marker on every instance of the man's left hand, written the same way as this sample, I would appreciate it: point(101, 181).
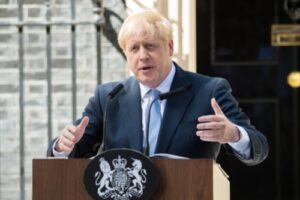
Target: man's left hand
point(217, 127)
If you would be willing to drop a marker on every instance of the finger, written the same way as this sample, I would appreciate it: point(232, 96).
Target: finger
point(71, 128)
point(68, 133)
point(216, 107)
point(67, 142)
point(61, 146)
point(210, 126)
point(210, 118)
point(209, 135)
point(66, 148)
point(84, 122)
point(81, 127)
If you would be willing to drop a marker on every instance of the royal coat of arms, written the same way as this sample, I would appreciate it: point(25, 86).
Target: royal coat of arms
point(121, 182)
point(121, 174)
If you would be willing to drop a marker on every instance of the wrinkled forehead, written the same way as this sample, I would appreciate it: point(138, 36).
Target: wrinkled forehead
point(142, 39)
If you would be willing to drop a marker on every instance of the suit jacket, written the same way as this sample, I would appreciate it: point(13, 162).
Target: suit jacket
point(178, 129)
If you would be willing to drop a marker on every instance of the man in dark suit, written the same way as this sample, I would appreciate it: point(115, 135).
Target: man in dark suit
point(195, 122)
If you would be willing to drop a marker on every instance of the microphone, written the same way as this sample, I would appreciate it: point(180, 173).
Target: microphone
point(171, 93)
point(160, 97)
point(115, 91)
point(109, 97)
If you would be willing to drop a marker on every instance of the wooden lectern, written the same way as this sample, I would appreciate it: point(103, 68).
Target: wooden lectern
point(195, 179)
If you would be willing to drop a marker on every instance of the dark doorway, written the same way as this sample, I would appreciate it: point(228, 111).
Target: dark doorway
point(234, 42)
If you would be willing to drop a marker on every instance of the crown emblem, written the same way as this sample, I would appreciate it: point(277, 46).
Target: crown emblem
point(119, 163)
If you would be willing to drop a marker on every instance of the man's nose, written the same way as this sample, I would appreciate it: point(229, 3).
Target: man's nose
point(144, 54)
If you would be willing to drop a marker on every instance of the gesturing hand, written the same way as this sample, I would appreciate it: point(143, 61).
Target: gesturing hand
point(70, 135)
point(217, 128)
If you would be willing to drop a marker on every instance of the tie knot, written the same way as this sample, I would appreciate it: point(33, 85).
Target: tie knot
point(154, 93)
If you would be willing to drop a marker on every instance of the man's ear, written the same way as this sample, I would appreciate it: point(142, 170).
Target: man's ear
point(171, 47)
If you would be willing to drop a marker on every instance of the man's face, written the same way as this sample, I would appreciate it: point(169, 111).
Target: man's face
point(149, 58)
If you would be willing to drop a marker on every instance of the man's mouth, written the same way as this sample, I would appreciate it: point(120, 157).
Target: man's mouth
point(145, 68)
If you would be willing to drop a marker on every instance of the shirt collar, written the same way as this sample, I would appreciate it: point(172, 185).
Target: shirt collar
point(164, 86)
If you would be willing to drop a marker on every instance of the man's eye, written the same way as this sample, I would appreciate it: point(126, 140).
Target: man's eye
point(134, 48)
point(151, 46)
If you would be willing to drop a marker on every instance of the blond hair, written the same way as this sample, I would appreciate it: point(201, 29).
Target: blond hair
point(143, 23)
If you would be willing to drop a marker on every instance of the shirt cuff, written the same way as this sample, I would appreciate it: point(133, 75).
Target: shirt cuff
point(242, 147)
point(62, 154)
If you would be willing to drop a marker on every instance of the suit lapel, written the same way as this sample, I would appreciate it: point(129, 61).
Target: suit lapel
point(131, 114)
point(174, 111)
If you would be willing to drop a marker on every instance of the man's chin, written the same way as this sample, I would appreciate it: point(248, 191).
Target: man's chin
point(149, 83)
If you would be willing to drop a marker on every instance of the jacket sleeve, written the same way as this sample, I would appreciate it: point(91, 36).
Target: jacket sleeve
point(258, 142)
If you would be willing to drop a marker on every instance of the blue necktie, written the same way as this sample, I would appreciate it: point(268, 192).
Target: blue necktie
point(155, 121)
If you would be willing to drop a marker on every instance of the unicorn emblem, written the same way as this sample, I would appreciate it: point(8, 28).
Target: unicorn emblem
point(139, 176)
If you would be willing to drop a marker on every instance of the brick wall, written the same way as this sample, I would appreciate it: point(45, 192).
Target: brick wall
point(35, 80)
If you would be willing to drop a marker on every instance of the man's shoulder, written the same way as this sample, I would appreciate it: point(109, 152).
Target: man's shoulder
point(105, 88)
point(199, 78)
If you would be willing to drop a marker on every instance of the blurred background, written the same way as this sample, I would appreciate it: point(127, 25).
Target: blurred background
point(53, 53)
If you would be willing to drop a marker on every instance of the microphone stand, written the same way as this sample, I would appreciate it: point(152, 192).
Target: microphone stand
point(110, 96)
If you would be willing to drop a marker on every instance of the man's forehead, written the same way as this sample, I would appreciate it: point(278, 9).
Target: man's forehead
point(143, 39)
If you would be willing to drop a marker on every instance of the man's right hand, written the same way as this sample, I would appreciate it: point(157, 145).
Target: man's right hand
point(70, 135)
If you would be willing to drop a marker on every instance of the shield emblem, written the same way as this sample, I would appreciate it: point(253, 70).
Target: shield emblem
point(121, 181)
